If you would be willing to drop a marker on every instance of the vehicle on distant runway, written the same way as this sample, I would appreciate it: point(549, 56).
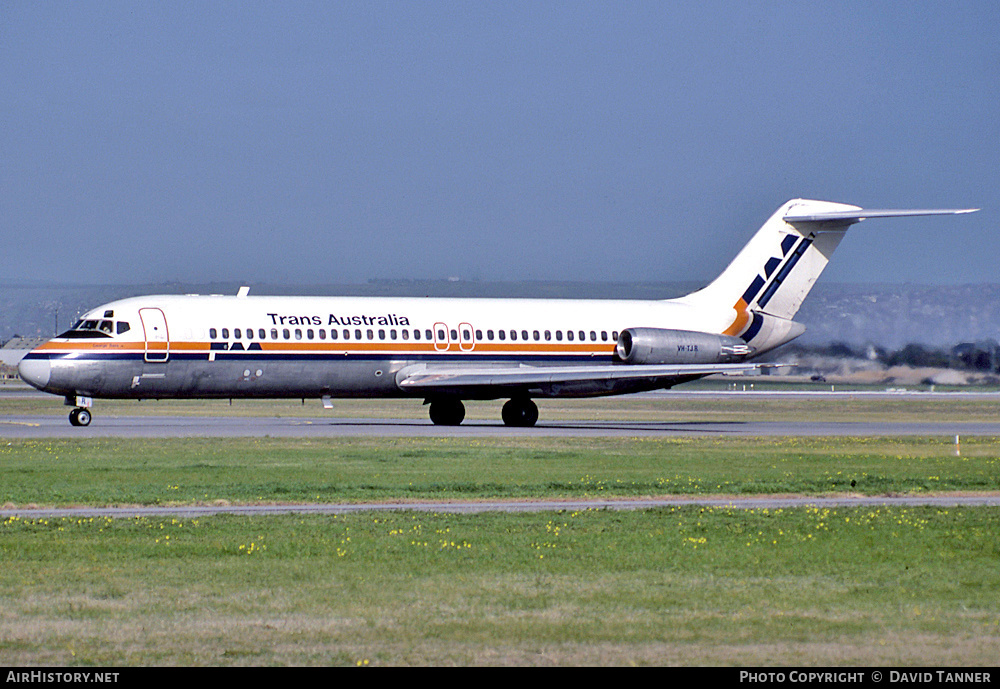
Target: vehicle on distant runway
point(449, 350)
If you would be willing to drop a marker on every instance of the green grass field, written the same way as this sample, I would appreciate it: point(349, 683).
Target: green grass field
point(681, 586)
point(53, 472)
point(882, 586)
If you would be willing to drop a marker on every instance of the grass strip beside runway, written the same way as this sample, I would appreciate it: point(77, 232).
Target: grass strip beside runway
point(114, 471)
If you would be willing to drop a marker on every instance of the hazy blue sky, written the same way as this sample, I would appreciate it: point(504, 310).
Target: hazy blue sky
point(295, 142)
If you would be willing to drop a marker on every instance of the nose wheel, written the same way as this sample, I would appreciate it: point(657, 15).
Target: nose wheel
point(79, 417)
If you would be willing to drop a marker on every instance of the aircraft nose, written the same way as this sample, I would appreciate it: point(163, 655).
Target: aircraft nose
point(35, 372)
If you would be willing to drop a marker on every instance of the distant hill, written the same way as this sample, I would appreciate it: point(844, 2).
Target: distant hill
point(892, 316)
point(888, 316)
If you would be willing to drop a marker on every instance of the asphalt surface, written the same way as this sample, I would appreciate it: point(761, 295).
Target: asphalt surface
point(17, 426)
point(48, 426)
point(472, 507)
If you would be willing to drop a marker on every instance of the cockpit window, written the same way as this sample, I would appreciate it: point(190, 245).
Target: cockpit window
point(83, 329)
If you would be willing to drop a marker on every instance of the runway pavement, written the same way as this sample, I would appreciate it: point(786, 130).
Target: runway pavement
point(18, 426)
point(472, 507)
point(180, 426)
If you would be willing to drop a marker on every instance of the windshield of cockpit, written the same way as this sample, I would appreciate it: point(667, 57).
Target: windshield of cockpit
point(97, 327)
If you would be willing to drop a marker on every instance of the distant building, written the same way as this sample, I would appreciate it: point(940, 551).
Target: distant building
point(14, 349)
point(978, 356)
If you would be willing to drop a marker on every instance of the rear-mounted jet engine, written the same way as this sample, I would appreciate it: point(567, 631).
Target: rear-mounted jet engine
point(660, 346)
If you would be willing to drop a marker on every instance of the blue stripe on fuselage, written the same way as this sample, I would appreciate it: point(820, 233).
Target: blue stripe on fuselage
point(464, 357)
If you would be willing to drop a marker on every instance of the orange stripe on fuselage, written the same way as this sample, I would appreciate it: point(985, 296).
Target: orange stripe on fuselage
point(89, 346)
point(397, 348)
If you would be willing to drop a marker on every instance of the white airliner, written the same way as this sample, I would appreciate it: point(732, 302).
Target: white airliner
point(448, 350)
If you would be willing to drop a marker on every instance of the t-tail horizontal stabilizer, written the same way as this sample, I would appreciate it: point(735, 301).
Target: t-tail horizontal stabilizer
point(853, 216)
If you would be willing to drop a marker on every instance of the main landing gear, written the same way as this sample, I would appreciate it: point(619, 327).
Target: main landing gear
point(449, 411)
point(520, 412)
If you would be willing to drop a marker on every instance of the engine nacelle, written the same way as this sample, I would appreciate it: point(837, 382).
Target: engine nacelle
point(660, 346)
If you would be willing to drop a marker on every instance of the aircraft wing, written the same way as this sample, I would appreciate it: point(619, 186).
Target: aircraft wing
point(476, 380)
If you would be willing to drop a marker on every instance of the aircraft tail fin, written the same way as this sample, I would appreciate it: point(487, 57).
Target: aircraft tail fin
point(771, 276)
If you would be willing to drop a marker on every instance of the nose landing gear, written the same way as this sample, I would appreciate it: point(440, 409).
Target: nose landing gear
point(79, 417)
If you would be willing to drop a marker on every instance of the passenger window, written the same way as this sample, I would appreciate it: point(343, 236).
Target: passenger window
point(381, 334)
point(502, 334)
point(441, 335)
point(428, 335)
point(524, 335)
point(333, 333)
point(225, 333)
point(237, 333)
point(454, 335)
point(569, 335)
point(466, 335)
point(286, 334)
point(310, 334)
point(406, 334)
point(548, 335)
point(559, 335)
point(604, 336)
point(213, 333)
point(583, 336)
point(535, 334)
point(416, 334)
point(347, 334)
point(392, 334)
point(298, 333)
point(593, 336)
point(357, 334)
point(513, 334)
point(322, 334)
point(614, 335)
point(274, 333)
point(489, 335)
point(261, 334)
